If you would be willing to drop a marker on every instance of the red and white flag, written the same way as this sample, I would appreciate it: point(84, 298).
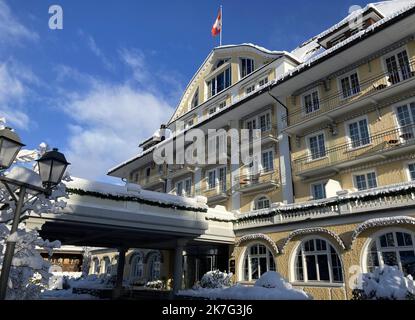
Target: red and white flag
point(217, 26)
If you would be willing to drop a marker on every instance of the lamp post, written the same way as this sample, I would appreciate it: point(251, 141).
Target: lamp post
point(52, 166)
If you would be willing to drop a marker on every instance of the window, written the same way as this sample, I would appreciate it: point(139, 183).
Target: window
point(311, 102)
point(148, 173)
point(247, 66)
point(222, 104)
point(212, 110)
point(137, 266)
point(155, 264)
point(358, 133)
point(212, 179)
point(411, 169)
point(406, 117)
point(222, 179)
point(184, 188)
point(350, 85)
point(395, 248)
point(398, 67)
point(262, 203)
point(316, 146)
point(365, 181)
point(263, 82)
point(188, 123)
point(220, 82)
point(318, 190)
point(195, 100)
point(106, 266)
point(258, 260)
point(265, 122)
point(96, 266)
point(250, 89)
point(262, 121)
point(268, 161)
point(317, 260)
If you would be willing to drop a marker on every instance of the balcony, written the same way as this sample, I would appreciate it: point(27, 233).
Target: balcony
point(379, 200)
point(178, 170)
point(265, 181)
point(216, 195)
point(151, 182)
point(373, 89)
point(375, 147)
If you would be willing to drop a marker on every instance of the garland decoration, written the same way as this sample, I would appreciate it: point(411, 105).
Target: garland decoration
point(107, 196)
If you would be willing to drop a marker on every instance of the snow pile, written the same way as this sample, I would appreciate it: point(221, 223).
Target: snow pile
point(216, 279)
point(271, 286)
point(387, 283)
point(156, 284)
point(92, 281)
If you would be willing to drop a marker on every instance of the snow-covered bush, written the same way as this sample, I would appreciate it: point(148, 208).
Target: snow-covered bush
point(93, 281)
point(216, 279)
point(156, 284)
point(386, 283)
point(271, 286)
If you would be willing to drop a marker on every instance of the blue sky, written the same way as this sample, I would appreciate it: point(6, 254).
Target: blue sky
point(117, 69)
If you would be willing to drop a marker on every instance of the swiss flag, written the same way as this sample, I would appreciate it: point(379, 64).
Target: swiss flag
point(217, 26)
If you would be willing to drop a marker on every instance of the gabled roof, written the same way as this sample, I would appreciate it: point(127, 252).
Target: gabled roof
point(227, 49)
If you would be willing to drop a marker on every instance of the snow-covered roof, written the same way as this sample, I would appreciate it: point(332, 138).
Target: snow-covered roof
point(135, 193)
point(311, 49)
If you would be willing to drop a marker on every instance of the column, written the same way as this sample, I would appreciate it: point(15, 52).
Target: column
point(178, 266)
point(120, 272)
point(285, 155)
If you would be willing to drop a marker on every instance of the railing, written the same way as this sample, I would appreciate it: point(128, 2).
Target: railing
point(249, 180)
point(371, 85)
point(400, 195)
point(151, 180)
point(357, 149)
point(219, 190)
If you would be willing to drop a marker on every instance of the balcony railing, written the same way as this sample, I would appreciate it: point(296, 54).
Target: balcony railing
point(378, 144)
point(250, 181)
point(400, 195)
point(374, 84)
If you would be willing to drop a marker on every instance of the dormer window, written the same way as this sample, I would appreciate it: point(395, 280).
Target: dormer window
point(247, 66)
point(195, 100)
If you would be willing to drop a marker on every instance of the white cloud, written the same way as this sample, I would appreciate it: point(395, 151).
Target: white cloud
point(11, 30)
point(92, 45)
point(110, 121)
point(12, 95)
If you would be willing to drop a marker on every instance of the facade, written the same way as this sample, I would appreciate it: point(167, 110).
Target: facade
point(335, 193)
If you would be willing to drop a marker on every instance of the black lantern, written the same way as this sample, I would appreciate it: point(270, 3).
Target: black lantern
point(10, 146)
point(52, 166)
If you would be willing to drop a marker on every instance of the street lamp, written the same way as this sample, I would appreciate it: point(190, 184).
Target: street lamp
point(52, 166)
point(10, 146)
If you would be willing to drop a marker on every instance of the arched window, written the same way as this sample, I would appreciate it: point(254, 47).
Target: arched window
point(137, 266)
point(258, 260)
point(261, 203)
point(394, 248)
point(106, 266)
point(317, 260)
point(195, 99)
point(154, 266)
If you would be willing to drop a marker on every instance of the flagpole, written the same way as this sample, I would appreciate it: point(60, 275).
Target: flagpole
point(221, 27)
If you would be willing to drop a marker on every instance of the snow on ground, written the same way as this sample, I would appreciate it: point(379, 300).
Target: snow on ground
point(65, 295)
point(271, 286)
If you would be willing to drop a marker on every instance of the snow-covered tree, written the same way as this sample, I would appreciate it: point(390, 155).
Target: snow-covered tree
point(29, 272)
